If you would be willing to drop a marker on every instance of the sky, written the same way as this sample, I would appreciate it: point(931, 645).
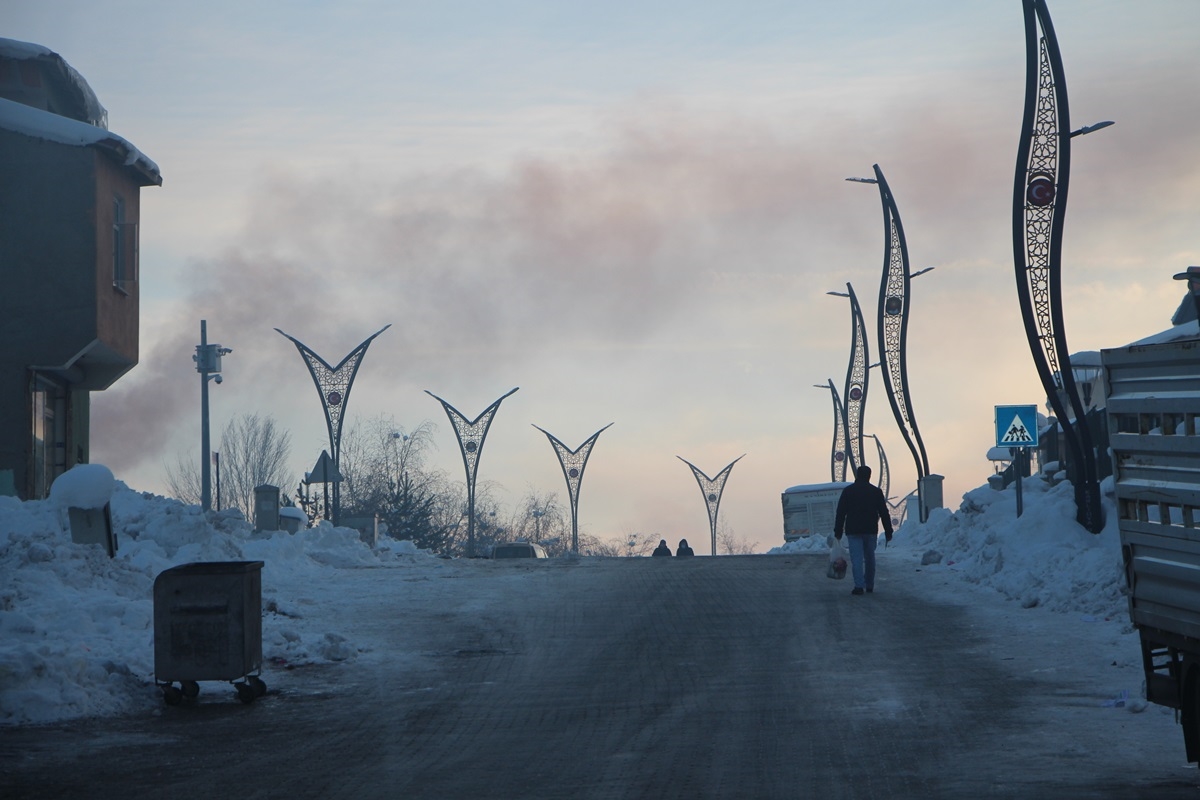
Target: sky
point(77, 639)
point(633, 212)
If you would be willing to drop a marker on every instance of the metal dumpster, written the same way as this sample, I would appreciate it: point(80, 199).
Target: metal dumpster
point(208, 626)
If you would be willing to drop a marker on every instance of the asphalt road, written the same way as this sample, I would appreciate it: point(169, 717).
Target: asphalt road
point(734, 677)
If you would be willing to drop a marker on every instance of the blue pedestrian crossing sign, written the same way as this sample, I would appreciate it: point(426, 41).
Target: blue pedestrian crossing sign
point(1016, 426)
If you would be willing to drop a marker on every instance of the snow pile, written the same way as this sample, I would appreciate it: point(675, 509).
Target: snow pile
point(76, 627)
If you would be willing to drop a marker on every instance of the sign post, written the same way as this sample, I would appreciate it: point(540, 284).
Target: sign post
point(1017, 429)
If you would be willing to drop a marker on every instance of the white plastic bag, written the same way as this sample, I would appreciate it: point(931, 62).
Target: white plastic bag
point(838, 560)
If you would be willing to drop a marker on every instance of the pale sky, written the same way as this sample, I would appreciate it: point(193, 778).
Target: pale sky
point(632, 211)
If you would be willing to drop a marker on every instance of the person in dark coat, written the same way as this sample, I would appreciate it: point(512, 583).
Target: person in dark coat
point(662, 549)
point(684, 549)
point(859, 510)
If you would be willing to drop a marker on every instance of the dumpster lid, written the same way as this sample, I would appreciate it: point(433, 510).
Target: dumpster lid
point(214, 568)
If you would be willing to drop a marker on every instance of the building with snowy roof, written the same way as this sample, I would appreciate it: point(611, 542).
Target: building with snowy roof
point(69, 210)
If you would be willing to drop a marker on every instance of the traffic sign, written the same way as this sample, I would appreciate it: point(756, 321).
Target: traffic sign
point(1016, 426)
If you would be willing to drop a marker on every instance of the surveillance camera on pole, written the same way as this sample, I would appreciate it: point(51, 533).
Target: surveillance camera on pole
point(208, 364)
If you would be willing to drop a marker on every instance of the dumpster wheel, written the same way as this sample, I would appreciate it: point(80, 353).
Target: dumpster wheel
point(257, 684)
point(245, 692)
point(171, 695)
point(190, 689)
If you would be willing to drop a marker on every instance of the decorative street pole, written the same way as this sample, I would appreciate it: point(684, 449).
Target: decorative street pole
point(572, 463)
point(712, 489)
point(208, 364)
point(893, 321)
point(855, 395)
point(837, 455)
point(333, 385)
point(1039, 206)
point(471, 435)
point(885, 476)
point(893, 327)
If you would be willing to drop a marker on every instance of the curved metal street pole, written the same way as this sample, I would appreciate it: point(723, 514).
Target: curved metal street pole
point(857, 375)
point(1039, 207)
point(837, 454)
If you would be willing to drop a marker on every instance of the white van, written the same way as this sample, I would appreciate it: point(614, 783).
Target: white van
point(810, 509)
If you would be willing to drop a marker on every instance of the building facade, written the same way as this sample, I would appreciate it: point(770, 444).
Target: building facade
point(69, 212)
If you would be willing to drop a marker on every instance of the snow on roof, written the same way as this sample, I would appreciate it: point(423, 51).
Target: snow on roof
point(61, 72)
point(816, 487)
point(38, 124)
point(1187, 330)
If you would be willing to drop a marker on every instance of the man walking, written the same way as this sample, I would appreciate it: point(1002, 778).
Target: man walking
point(859, 510)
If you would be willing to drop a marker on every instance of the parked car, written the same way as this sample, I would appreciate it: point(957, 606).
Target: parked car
point(518, 550)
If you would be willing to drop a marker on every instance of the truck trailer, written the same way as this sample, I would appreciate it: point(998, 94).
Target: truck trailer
point(810, 508)
point(1153, 410)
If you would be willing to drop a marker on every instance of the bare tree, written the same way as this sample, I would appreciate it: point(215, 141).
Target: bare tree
point(541, 518)
point(254, 451)
point(634, 543)
point(731, 544)
point(592, 546)
point(184, 479)
point(384, 473)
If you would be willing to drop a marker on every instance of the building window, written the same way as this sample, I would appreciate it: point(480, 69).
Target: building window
point(124, 247)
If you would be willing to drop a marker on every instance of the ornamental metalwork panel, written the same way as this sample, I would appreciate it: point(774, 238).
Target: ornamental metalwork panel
point(1039, 207)
point(855, 394)
point(885, 476)
point(712, 489)
point(837, 452)
point(471, 435)
point(573, 463)
point(333, 385)
point(894, 293)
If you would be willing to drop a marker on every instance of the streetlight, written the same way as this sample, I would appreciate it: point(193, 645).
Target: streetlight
point(892, 331)
point(208, 364)
point(1086, 129)
point(1040, 189)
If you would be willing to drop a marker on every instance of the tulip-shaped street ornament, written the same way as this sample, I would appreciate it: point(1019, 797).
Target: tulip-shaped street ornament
point(333, 385)
point(471, 435)
point(573, 463)
point(712, 488)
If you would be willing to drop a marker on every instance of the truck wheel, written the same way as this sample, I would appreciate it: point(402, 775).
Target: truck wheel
point(1189, 719)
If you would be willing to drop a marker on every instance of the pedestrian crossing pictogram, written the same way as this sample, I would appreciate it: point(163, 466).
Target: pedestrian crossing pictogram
point(1017, 433)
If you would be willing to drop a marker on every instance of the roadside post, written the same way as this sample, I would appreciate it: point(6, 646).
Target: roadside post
point(1017, 429)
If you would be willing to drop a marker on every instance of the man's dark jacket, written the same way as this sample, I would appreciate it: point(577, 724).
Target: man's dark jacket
point(859, 510)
